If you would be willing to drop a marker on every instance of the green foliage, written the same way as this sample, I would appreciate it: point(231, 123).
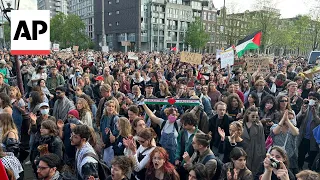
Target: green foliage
point(7, 31)
point(302, 40)
point(69, 30)
point(196, 36)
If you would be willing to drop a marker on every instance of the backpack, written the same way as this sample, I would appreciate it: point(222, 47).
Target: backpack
point(103, 169)
point(219, 165)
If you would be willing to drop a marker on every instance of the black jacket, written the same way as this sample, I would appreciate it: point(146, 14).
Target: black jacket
point(214, 123)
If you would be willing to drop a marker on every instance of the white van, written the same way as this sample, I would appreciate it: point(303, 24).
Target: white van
point(314, 55)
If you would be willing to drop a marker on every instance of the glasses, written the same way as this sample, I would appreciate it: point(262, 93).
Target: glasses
point(77, 71)
point(116, 84)
point(42, 168)
point(283, 100)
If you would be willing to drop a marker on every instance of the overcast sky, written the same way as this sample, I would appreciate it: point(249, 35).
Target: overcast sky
point(288, 8)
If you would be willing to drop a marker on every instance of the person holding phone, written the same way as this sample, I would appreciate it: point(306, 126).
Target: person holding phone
point(307, 119)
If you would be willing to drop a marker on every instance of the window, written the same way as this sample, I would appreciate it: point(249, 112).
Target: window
point(118, 12)
point(117, 23)
point(110, 13)
point(117, 1)
point(110, 2)
point(110, 24)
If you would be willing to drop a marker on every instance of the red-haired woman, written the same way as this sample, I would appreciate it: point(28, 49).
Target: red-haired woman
point(159, 166)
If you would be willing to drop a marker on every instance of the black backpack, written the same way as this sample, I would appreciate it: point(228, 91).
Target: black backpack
point(103, 169)
point(219, 165)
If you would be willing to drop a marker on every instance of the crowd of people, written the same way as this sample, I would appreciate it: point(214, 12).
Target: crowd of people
point(86, 117)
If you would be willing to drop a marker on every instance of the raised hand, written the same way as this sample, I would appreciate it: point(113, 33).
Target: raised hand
point(221, 133)
point(60, 124)
point(186, 157)
point(33, 118)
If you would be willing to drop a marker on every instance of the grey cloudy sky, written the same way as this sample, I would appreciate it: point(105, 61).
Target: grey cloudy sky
point(288, 8)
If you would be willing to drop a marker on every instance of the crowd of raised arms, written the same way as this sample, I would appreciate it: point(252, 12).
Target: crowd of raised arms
point(85, 115)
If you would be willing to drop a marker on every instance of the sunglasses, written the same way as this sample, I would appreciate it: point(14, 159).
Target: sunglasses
point(283, 100)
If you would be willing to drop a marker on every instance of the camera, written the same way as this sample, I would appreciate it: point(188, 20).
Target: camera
point(275, 163)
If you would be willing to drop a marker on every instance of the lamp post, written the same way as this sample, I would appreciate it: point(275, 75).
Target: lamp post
point(16, 59)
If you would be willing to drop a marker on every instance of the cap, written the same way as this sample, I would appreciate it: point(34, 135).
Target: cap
point(74, 113)
point(149, 85)
point(43, 104)
point(2, 61)
point(99, 78)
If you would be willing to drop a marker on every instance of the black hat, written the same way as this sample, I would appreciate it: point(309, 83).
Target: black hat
point(61, 88)
point(149, 85)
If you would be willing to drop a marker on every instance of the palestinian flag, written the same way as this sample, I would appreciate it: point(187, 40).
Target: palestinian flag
point(250, 42)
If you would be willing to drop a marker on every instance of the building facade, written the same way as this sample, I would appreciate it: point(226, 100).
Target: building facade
point(151, 25)
point(55, 6)
point(84, 9)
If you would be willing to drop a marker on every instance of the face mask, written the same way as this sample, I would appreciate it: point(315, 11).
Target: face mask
point(44, 111)
point(73, 120)
point(171, 118)
point(312, 102)
point(77, 73)
point(279, 82)
point(269, 106)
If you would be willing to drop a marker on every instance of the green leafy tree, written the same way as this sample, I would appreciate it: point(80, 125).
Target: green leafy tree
point(196, 36)
point(302, 41)
point(69, 30)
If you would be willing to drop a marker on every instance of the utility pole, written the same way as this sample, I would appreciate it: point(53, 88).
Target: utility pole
point(224, 21)
point(104, 39)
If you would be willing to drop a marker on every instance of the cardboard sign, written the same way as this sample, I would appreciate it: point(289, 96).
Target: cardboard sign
point(132, 56)
point(125, 43)
point(75, 48)
point(192, 58)
point(64, 55)
point(227, 57)
point(55, 47)
point(254, 63)
point(30, 32)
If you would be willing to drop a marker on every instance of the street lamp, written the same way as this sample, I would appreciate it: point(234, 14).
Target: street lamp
point(5, 11)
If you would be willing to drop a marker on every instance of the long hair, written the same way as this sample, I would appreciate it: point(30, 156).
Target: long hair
point(7, 124)
point(166, 88)
point(115, 107)
point(167, 167)
point(85, 108)
point(18, 95)
point(125, 127)
point(288, 103)
point(304, 85)
point(88, 99)
point(264, 102)
point(230, 99)
point(134, 125)
point(36, 99)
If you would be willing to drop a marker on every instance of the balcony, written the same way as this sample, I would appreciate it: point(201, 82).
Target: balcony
point(57, 4)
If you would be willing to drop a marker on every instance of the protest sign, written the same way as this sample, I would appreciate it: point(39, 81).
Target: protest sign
point(105, 49)
point(310, 72)
point(125, 43)
point(192, 58)
point(75, 48)
point(132, 56)
point(218, 53)
point(55, 47)
point(254, 63)
point(64, 55)
point(227, 57)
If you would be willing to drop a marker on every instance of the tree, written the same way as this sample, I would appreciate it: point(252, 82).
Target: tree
point(302, 41)
point(266, 19)
point(69, 30)
point(196, 36)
